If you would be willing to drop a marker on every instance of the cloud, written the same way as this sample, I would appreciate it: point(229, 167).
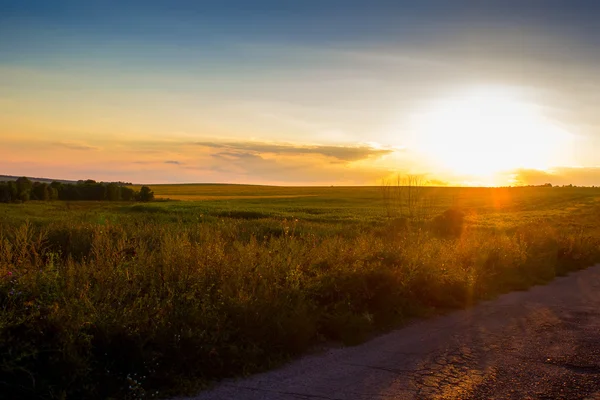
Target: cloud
point(342, 153)
point(156, 162)
point(263, 162)
point(75, 146)
point(251, 164)
point(579, 176)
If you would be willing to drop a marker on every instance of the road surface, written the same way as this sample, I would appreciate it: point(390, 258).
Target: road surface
point(539, 344)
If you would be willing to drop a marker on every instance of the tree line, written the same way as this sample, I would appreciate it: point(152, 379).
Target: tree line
point(23, 189)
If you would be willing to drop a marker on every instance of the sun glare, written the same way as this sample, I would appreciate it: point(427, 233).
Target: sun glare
point(488, 131)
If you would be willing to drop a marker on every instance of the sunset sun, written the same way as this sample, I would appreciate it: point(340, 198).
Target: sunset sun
point(487, 131)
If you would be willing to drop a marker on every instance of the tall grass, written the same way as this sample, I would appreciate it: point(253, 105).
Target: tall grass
point(140, 308)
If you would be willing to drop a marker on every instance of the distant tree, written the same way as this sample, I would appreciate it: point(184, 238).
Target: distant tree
point(24, 186)
point(69, 192)
point(40, 191)
point(24, 189)
point(91, 190)
point(127, 194)
point(56, 185)
point(55, 189)
point(52, 193)
point(146, 194)
point(5, 195)
point(13, 190)
point(113, 192)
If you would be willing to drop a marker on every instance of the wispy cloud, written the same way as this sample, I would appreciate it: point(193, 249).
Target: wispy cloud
point(342, 153)
point(75, 146)
point(158, 162)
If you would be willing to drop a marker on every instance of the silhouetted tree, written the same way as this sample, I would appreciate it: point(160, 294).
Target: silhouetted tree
point(69, 192)
point(146, 194)
point(113, 192)
point(23, 189)
point(55, 189)
point(53, 193)
point(13, 190)
point(24, 186)
point(56, 185)
point(5, 195)
point(127, 194)
point(91, 190)
point(40, 191)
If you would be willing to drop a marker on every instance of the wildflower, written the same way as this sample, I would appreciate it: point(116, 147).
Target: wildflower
point(10, 273)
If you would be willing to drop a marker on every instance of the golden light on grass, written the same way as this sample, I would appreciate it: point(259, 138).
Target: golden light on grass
point(488, 130)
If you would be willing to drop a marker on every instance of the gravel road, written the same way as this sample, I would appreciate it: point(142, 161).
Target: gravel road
point(539, 344)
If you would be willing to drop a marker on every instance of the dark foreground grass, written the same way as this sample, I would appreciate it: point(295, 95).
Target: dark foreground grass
point(120, 301)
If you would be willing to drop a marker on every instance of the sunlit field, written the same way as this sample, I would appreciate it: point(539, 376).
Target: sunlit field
point(130, 300)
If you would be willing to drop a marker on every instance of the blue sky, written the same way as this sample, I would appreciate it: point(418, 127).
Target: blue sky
point(134, 83)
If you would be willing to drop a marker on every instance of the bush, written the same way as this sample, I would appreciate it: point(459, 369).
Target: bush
point(449, 224)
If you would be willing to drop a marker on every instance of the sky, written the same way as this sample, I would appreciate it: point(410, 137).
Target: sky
point(301, 92)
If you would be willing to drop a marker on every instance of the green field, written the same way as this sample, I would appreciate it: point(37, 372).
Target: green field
point(129, 300)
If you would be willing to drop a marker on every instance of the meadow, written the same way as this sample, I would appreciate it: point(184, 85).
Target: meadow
point(128, 300)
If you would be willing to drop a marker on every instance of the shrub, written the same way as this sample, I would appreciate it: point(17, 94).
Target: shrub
point(450, 223)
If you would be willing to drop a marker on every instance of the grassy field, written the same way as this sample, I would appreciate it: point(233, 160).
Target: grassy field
point(128, 300)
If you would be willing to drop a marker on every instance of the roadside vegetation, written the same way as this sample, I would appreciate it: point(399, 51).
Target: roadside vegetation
point(121, 300)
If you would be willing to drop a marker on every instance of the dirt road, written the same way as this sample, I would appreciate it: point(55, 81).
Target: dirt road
point(539, 344)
